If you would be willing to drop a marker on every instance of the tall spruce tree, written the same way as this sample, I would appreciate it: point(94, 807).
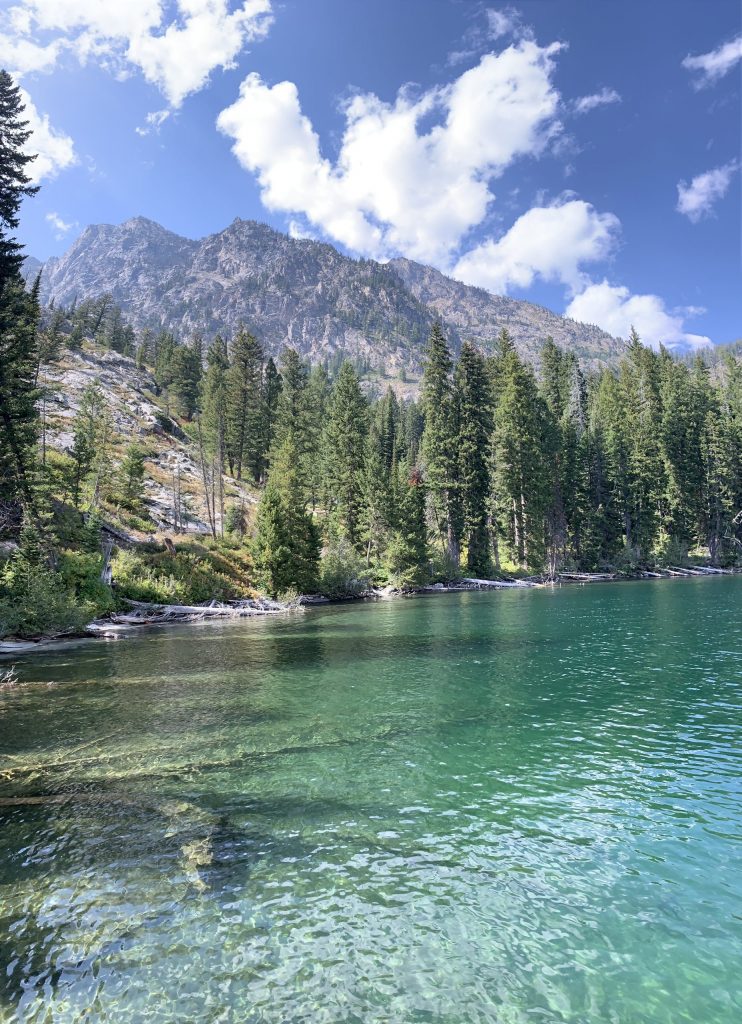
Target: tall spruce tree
point(19, 417)
point(345, 447)
point(271, 394)
point(186, 370)
point(475, 427)
point(520, 475)
point(407, 557)
point(439, 441)
point(286, 547)
point(15, 183)
point(244, 410)
point(293, 414)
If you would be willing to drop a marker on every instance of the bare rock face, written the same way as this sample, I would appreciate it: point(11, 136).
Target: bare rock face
point(298, 292)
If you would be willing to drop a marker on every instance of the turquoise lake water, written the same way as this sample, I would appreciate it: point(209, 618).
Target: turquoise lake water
point(521, 807)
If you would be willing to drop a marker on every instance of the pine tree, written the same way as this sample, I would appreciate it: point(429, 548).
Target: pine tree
point(378, 500)
point(562, 388)
point(90, 449)
point(286, 546)
point(244, 407)
point(292, 409)
point(439, 442)
point(475, 427)
point(164, 352)
point(19, 418)
point(131, 476)
point(317, 399)
point(271, 394)
point(345, 446)
point(685, 403)
point(722, 451)
point(186, 370)
point(389, 429)
point(639, 376)
point(407, 557)
point(521, 480)
point(15, 183)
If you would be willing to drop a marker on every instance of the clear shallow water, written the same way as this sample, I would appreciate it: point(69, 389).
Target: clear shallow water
point(512, 807)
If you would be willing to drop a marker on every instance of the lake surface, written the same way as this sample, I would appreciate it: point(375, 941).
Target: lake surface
point(514, 807)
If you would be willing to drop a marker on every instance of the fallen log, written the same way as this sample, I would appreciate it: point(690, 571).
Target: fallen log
point(473, 581)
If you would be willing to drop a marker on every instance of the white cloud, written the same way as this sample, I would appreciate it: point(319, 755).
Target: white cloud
point(396, 186)
point(616, 310)
point(716, 63)
point(60, 226)
point(597, 99)
point(550, 242)
point(153, 122)
point(697, 199)
point(54, 150)
point(180, 60)
point(21, 56)
point(299, 231)
point(176, 46)
point(502, 22)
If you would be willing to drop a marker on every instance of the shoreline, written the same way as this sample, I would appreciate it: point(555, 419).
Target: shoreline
point(122, 625)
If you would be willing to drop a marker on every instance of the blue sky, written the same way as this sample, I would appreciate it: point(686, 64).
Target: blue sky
point(582, 154)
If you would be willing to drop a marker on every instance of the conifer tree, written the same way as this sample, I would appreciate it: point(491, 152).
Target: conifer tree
point(408, 554)
point(345, 446)
point(91, 438)
point(286, 547)
point(685, 403)
point(244, 409)
point(439, 441)
point(317, 398)
point(520, 474)
point(378, 500)
point(271, 393)
point(15, 183)
point(475, 426)
point(185, 378)
point(213, 419)
point(562, 389)
point(19, 418)
point(131, 475)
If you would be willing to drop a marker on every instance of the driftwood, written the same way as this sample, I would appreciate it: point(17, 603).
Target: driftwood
point(487, 584)
point(145, 614)
point(587, 577)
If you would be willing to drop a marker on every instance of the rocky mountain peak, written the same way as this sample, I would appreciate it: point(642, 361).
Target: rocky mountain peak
point(298, 292)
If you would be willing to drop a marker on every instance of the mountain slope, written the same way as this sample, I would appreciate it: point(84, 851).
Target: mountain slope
point(297, 292)
point(478, 316)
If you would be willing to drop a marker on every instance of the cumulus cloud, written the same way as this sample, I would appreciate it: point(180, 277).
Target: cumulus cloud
point(697, 199)
point(616, 310)
point(399, 186)
point(21, 55)
point(60, 226)
point(550, 242)
point(585, 104)
point(716, 63)
point(176, 46)
point(54, 150)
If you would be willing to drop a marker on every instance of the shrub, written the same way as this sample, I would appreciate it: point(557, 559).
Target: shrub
point(342, 572)
point(80, 572)
point(671, 552)
point(35, 601)
point(192, 575)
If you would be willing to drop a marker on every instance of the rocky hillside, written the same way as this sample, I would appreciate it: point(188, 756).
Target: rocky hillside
point(138, 413)
point(297, 292)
